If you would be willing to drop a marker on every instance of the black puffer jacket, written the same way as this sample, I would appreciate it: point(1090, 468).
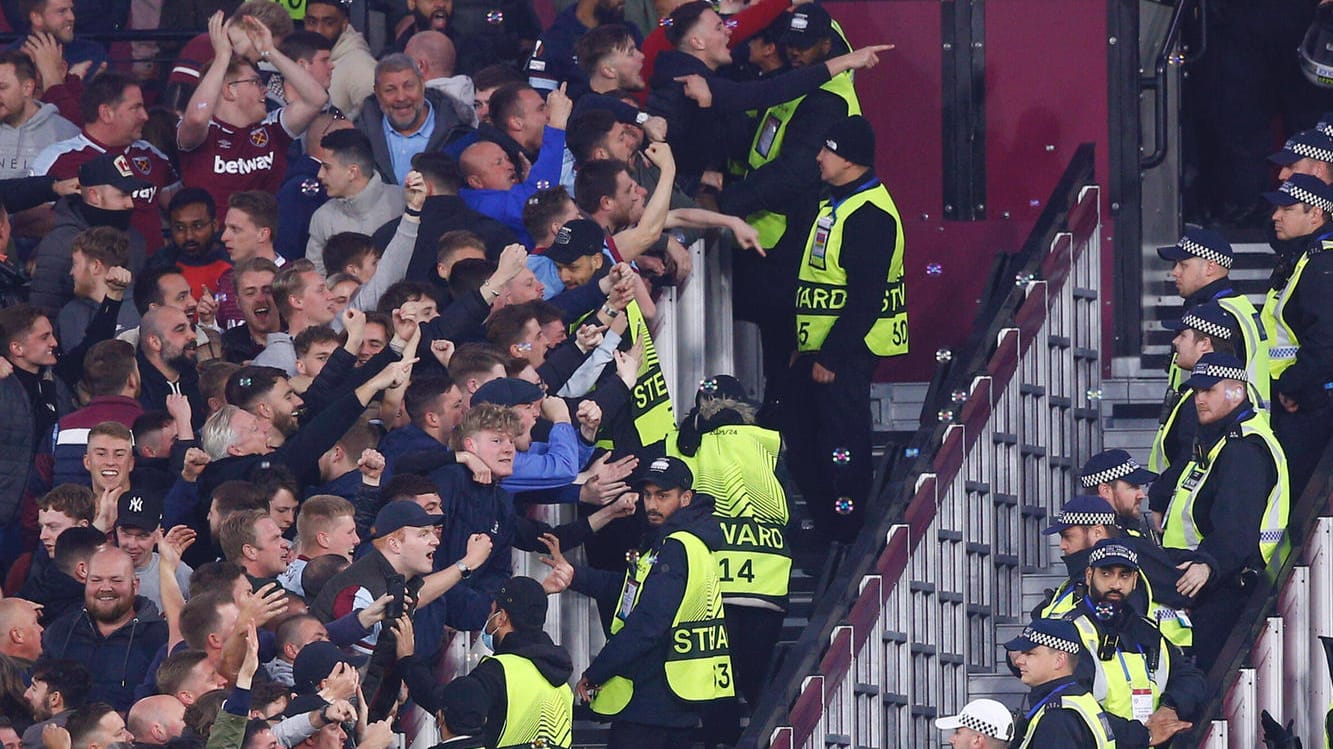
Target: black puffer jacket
point(120, 660)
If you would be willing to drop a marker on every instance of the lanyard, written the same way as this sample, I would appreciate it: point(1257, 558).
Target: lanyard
point(1120, 654)
point(833, 204)
point(1054, 693)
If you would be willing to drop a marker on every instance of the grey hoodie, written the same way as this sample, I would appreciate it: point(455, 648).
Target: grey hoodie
point(20, 145)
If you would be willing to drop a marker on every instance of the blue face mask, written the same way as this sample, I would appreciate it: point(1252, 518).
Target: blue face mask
point(487, 638)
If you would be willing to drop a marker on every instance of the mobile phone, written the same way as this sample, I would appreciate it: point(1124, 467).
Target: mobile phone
point(397, 589)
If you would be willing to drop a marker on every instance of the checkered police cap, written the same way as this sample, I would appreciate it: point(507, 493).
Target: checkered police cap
point(1204, 251)
point(1309, 151)
point(985, 728)
point(1118, 471)
point(1050, 641)
point(1117, 551)
point(1193, 321)
point(1220, 372)
point(1086, 518)
point(1306, 197)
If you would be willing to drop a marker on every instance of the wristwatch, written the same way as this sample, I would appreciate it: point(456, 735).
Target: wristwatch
point(640, 118)
point(464, 571)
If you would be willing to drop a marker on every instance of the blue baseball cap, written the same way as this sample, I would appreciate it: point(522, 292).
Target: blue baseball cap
point(1303, 188)
point(1214, 367)
point(1199, 242)
point(1085, 509)
point(402, 513)
point(1113, 465)
point(507, 392)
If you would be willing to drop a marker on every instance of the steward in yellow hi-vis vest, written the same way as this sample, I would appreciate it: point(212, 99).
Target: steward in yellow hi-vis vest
point(1295, 314)
point(850, 311)
point(734, 460)
point(667, 653)
point(1137, 674)
point(1231, 500)
point(1059, 710)
point(521, 690)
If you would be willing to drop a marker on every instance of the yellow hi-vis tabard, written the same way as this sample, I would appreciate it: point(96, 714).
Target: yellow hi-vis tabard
point(1085, 706)
point(1126, 685)
point(698, 658)
point(537, 712)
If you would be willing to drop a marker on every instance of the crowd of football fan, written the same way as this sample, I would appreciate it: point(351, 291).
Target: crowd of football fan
point(303, 340)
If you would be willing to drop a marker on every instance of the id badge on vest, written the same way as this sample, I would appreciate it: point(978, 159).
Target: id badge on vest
point(767, 134)
point(1140, 704)
point(822, 229)
point(627, 600)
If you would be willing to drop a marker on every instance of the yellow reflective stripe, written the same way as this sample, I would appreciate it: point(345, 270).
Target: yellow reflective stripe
point(536, 710)
point(1110, 687)
point(1087, 709)
point(1282, 340)
point(1255, 337)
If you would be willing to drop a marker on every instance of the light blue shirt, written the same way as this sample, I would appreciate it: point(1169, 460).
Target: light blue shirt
point(403, 147)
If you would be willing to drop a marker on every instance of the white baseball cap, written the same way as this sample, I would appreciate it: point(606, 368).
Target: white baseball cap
point(986, 717)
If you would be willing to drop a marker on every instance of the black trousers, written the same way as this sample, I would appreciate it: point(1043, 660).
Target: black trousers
point(827, 432)
point(627, 735)
point(1214, 615)
point(1303, 436)
point(753, 634)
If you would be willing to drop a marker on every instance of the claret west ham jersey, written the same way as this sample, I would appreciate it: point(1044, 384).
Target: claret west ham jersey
point(234, 159)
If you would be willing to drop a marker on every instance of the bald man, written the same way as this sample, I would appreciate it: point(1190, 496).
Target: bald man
point(20, 634)
point(115, 630)
point(156, 720)
point(486, 167)
point(435, 56)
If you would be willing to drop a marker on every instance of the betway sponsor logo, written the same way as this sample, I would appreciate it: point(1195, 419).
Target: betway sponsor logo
point(242, 166)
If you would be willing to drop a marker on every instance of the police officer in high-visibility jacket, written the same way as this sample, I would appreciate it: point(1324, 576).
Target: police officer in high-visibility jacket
point(666, 657)
point(1205, 328)
point(1119, 479)
point(1231, 500)
point(850, 310)
point(1081, 523)
point(525, 682)
point(1201, 270)
point(1061, 711)
point(1295, 313)
point(1138, 675)
point(734, 460)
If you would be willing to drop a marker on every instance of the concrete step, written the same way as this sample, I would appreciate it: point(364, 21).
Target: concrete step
point(1003, 687)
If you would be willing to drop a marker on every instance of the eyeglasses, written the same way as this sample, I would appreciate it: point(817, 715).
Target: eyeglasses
point(256, 81)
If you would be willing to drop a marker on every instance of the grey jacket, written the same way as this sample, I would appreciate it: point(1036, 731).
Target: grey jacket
point(448, 128)
point(20, 145)
point(368, 210)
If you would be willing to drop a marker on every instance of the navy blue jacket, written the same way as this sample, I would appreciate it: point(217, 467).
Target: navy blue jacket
point(120, 661)
point(299, 197)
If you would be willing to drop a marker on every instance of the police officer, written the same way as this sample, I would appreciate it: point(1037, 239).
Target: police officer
point(1061, 710)
point(1138, 674)
point(666, 657)
point(1205, 328)
point(1119, 479)
point(1299, 331)
point(1216, 506)
point(734, 460)
point(525, 682)
point(1201, 269)
point(1307, 152)
point(850, 310)
point(981, 724)
point(1081, 523)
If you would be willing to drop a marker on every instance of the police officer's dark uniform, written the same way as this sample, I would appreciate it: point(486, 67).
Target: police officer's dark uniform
point(1158, 570)
point(734, 460)
point(667, 657)
point(1300, 330)
point(1136, 670)
point(1061, 711)
point(1231, 500)
point(850, 310)
point(780, 171)
point(1179, 421)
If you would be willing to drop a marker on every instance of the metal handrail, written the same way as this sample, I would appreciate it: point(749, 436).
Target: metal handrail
point(896, 485)
point(1157, 83)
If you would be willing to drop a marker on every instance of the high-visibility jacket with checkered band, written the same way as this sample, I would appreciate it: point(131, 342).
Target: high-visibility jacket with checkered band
point(1180, 529)
point(1174, 625)
point(1085, 706)
point(537, 713)
point(821, 285)
point(1256, 341)
point(734, 464)
point(1158, 460)
point(1283, 343)
point(698, 661)
point(1117, 679)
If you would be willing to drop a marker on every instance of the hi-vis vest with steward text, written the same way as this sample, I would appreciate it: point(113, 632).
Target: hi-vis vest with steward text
point(1181, 531)
point(767, 145)
point(537, 713)
point(734, 464)
point(296, 8)
point(1086, 707)
point(1283, 343)
point(1127, 685)
point(650, 400)
point(821, 286)
point(698, 658)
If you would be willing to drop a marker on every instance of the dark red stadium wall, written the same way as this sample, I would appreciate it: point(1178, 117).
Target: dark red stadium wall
point(1045, 93)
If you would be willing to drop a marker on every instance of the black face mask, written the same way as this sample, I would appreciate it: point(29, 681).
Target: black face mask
point(102, 217)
